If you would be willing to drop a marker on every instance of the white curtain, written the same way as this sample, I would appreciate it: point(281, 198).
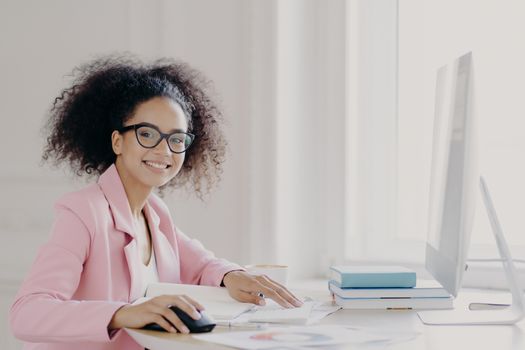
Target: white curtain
point(298, 126)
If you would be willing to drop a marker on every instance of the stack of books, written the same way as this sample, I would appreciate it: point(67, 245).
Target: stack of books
point(385, 287)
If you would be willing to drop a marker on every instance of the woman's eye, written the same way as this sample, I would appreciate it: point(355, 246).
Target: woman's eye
point(176, 139)
point(145, 134)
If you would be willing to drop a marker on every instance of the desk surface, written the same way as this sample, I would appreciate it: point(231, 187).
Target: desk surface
point(402, 321)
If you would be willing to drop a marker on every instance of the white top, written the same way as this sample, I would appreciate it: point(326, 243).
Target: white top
point(149, 272)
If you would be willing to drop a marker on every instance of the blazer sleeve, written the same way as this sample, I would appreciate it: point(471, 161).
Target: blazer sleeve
point(199, 265)
point(43, 310)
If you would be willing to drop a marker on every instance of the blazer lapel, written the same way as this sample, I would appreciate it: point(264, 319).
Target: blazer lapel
point(167, 266)
point(132, 258)
point(113, 189)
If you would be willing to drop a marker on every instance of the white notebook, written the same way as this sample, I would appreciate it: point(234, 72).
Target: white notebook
point(222, 307)
point(216, 300)
point(274, 313)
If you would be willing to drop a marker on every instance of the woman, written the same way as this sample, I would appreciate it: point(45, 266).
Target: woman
point(140, 128)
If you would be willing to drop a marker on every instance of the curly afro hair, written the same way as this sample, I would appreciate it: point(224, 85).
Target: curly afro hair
point(103, 96)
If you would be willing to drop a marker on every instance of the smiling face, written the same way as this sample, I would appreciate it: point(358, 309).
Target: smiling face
point(150, 167)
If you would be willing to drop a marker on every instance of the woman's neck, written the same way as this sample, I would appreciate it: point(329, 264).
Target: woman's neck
point(136, 192)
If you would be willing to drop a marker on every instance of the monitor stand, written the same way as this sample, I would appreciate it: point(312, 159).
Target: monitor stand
point(507, 315)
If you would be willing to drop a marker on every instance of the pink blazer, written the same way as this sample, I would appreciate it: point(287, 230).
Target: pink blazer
point(87, 269)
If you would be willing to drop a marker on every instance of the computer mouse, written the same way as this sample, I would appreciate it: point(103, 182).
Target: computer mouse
point(202, 325)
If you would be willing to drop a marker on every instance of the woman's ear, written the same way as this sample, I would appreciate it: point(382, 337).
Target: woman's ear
point(116, 142)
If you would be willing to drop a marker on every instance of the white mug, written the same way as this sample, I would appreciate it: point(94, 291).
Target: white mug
point(278, 273)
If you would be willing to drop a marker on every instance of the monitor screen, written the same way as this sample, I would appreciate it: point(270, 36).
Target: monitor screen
point(453, 175)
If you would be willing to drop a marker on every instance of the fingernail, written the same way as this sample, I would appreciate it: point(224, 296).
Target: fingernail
point(185, 330)
point(196, 316)
point(297, 302)
point(173, 330)
point(262, 302)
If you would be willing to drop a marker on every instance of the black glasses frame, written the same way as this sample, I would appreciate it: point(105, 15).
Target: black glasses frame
point(163, 136)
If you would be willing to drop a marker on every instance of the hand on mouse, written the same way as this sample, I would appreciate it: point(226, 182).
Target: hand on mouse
point(156, 310)
point(247, 288)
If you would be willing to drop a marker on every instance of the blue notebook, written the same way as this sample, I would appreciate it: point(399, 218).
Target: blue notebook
point(422, 289)
point(373, 276)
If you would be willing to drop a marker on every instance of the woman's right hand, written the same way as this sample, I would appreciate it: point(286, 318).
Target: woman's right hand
point(156, 310)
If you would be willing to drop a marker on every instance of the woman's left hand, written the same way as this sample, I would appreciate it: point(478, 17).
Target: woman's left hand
point(253, 289)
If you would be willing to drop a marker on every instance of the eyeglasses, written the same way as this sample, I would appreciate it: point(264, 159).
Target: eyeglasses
point(149, 136)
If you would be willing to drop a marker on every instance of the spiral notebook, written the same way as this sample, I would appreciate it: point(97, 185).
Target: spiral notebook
point(216, 300)
point(222, 307)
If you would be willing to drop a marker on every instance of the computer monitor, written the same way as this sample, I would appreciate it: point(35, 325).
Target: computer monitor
point(454, 178)
point(453, 175)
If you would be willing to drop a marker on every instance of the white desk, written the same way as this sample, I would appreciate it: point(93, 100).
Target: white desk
point(406, 321)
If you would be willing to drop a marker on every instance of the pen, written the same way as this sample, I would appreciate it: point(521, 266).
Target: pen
point(260, 295)
point(242, 325)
